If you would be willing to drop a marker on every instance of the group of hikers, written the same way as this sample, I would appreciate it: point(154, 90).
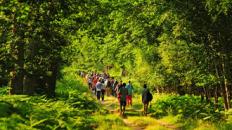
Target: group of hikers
point(103, 84)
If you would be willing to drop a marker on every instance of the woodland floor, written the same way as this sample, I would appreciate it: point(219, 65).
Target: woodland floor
point(134, 118)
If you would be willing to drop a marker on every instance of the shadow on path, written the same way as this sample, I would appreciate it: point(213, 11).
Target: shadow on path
point(134, 116)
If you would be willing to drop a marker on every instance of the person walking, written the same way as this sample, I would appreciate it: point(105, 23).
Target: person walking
point(103, 90)
point(123, 92)
point(107, 86)
point(129, 87)
point(117, 89)
point(146, 98)
point(114, 91)
point(99, 87)
point(90, 81)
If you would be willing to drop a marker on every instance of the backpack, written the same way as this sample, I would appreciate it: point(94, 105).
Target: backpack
point(149, 96)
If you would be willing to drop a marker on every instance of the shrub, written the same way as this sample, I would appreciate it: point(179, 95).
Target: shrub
point(187, 106)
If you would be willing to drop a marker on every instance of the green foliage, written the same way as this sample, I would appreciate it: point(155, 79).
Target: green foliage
point(42, 113)
point(155, 42)
point(186, 107)
point(166, 44)
point(33, 37)
point(104, 122)
point(6, 109)
point(4, 90)
point(67, 111)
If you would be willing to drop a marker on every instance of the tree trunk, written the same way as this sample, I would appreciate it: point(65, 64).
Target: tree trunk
point(207, 95)
point(16, 81)
point(216, 97)
point(31, 79)
point(225, 91)
point(224, 94)
point(200, 92)
point(220, 73)
point(51, 83)
point(17, 53)
point(29, 85)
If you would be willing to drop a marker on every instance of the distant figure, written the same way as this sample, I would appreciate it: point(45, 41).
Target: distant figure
point(107, 86)
point(103, 90)
point(123, 92)
point(117, 88)
point(112, 86)
point(114, 91)
point(82, 74)
point(129, 87)
point(90, 80)
point(95, 80)
point(99, 87)
point(146, 98)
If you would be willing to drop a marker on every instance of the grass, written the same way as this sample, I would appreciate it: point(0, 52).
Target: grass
point(174, 119)
point(37, 112)
point(73, 108)
point(134, 117)
point(70, 109)
point(140, 121)
point(110, 122)
point(67, 111)
point(76, 108)
point(157, 127)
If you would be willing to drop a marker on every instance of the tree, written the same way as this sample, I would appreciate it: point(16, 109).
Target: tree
point(35, 32)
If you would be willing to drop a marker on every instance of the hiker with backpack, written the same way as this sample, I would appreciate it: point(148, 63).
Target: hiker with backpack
point(129, 87)
point(146, 98)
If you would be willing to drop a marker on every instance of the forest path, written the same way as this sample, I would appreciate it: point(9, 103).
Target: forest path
point(134, 118)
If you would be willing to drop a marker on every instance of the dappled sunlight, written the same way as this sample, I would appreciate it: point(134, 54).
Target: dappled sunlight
point(168, 61)
point(134, 115)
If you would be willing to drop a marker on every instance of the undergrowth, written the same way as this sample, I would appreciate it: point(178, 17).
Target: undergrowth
point(190, 113)
point(73, 108)
point(67, 111)
point(186, 107)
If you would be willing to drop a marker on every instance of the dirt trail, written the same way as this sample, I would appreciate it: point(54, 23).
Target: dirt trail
point(134, 118)
point(134, 127)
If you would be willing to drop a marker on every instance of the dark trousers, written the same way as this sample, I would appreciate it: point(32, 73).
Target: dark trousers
point(122, 107)
point(145, 107)
point(98, 95)
point(102, 95)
